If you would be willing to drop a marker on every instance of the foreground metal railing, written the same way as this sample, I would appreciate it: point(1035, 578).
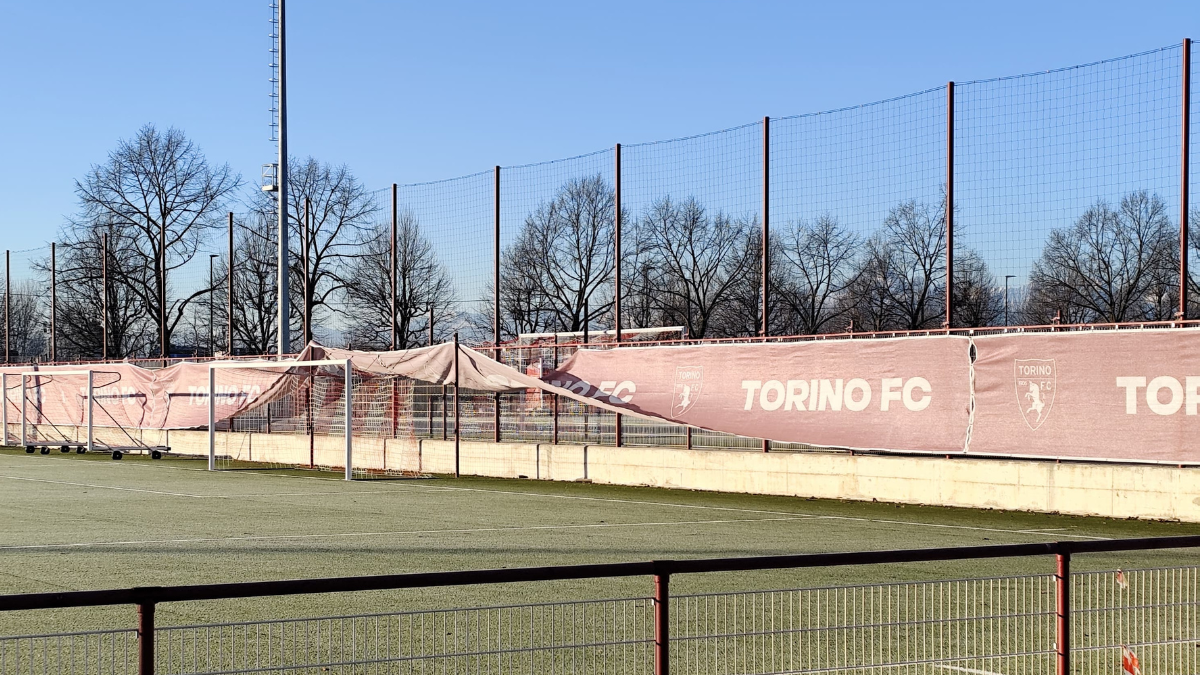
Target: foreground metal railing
point(1086, 622)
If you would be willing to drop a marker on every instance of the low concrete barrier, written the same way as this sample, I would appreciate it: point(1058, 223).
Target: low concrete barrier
point(1079, 488)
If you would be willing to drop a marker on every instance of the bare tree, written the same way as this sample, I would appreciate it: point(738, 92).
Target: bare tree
point(160, 197)
point(563, 256)
point(741, 315)
point(978, 301)
point(28, 322)
point(255, 287)
point(901, 283)
point(80, 320)
point(341, 212)
point(422, 284)
point(822, 265)
point(700, 259)
point(1112, 265)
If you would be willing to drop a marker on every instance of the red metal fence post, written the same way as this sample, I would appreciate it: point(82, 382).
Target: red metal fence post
point(950, 205)
point(662, 618)
point(457, 412)
point(145, 634)
point(496, 319)
point(617, 274)
point(1184, 277)
point(1062, 614)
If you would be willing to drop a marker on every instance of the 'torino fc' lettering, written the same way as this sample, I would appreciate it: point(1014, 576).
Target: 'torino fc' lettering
point(1164, 394)
point(915, 393)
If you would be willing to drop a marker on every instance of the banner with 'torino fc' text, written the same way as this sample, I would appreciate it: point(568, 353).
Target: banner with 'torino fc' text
point(1124, 395)
point(895, 394)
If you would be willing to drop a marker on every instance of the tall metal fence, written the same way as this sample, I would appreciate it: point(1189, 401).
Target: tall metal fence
point(1142, 620)
point(1051, 197)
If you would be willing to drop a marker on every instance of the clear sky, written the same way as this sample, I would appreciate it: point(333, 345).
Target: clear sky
point(414, 91)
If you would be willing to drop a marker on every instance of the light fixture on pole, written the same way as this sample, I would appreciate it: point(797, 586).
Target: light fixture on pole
point(211, 289)
point(1006, 278)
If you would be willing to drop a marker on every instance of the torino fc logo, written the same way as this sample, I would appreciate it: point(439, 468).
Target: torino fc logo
point(1035, 389)
point(688, 382)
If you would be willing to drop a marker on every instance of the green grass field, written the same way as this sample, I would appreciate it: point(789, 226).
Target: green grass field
point(75, 522)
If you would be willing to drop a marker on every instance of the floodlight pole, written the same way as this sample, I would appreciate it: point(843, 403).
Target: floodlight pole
point(284, 299)
point(348, 390)
point(212, 288)
point(1006, 278)
point(212, 419)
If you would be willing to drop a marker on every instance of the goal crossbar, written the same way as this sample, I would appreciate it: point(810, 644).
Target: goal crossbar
point(24, 415)
point(346, 364)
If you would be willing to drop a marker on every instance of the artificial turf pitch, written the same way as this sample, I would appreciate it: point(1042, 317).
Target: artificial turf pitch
point(75, 522)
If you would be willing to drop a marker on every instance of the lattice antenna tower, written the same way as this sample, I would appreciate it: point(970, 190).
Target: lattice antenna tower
point(274, 176)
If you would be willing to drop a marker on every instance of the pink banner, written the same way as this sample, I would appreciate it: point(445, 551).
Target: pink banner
point(897, 394)
point(175, 397)
point(1127, 395)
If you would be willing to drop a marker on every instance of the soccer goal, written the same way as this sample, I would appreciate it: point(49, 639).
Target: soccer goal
point(310, 414)
point(80, 410)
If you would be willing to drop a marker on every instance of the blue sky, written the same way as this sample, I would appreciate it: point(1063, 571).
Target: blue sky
point(408, 92)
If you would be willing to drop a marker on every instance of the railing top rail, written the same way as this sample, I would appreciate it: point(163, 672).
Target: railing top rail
point(157, 594)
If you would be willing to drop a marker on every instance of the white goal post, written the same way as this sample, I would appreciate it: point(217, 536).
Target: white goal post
point(24, 415)
point(346, 364)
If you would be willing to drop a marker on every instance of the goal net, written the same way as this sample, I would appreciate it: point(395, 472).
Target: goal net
point(311, 414)
point(80, 410)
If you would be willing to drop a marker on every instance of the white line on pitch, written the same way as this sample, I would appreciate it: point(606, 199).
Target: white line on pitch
point(184, 494)
point(395, 533)
point(414, 487)
point(813, 516)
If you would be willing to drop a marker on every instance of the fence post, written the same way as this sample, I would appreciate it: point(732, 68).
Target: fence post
point(949, 204)
point(662, 629)
point(619, 437)
point(7, 305)
point(554, 401)
point(104, 296)
point(457, 425)
point(229, 299)
point(212, 418)
point(1184, 277)
point(496, 324)
point(766, 226)
point(348, 391)
point(145, 633)
point(4, 409)
point(53, 299)
point(1062, 614)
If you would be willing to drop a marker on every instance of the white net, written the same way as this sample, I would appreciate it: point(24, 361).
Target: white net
point(295, 417)
point(49, 410)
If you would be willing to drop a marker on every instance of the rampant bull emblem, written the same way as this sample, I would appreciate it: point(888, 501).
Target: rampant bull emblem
point(1035, 389)
point(689, 380)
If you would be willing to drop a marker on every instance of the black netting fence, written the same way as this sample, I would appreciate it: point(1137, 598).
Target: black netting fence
point(1066, 208)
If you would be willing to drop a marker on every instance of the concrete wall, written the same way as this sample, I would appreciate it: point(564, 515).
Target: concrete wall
point(1092, 489)
point(1108, 490)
